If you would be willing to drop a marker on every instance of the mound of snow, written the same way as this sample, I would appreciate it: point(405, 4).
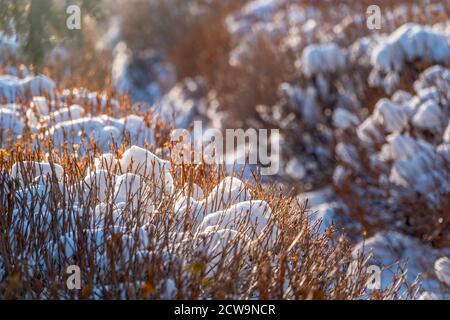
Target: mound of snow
point(194, 191)
point(447, 134)
point(321, 59)
point(143, 162)
point(129, 189)
point(429, 116)
point(73, 112)
point(101, 181)
point(36, 169)
point(344, 119)
point(295, 169)
point(107, 161)
point(13, 88)
point(220, 245)
point(11, 122)
point(369, 131)
point(250, 217)
point(442, 269)
point(155, 170)
point(408, 43)
point(392, 117)
point(229, 191)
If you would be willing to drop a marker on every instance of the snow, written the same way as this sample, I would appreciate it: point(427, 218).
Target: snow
point(323, 214)
point(408, 43)
point(73, 112)
point(40, 106)
point(9, 46)
point(195, 208)
point(392, 117)
point(193, 190)
point(368, 131)
point(260, 8)
point(101, 129)
point(121, 61)
point(295, 169)
point(10, 122)
point(68, 245)
point(429, 116)
point(430, 93)
point(12, 88)
point(442, 269)
point(107, 161)
point(447, 134)
point(217, 244)
point(321, 58)
point(129, 189)
point(404, 160)
point(428, 296)
point(101, 181)
point(184, 103)
point(143, 162)
point(36, 169)
point(2, 270)
point(317, 197)
point(389, 250)
point(73, 131)
point(344, 119)
point(444, 151)
point(347, 153)
point(143, 85)
point(155, 170)
point(401, 97)
point(399, 147)
point(409, 172)
point(404, 138)
point(254, 214)
point(229, 191)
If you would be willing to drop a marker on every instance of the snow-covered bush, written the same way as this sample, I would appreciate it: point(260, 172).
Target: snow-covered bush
point(407, 45)
point(395, 164)
point(114, 223)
